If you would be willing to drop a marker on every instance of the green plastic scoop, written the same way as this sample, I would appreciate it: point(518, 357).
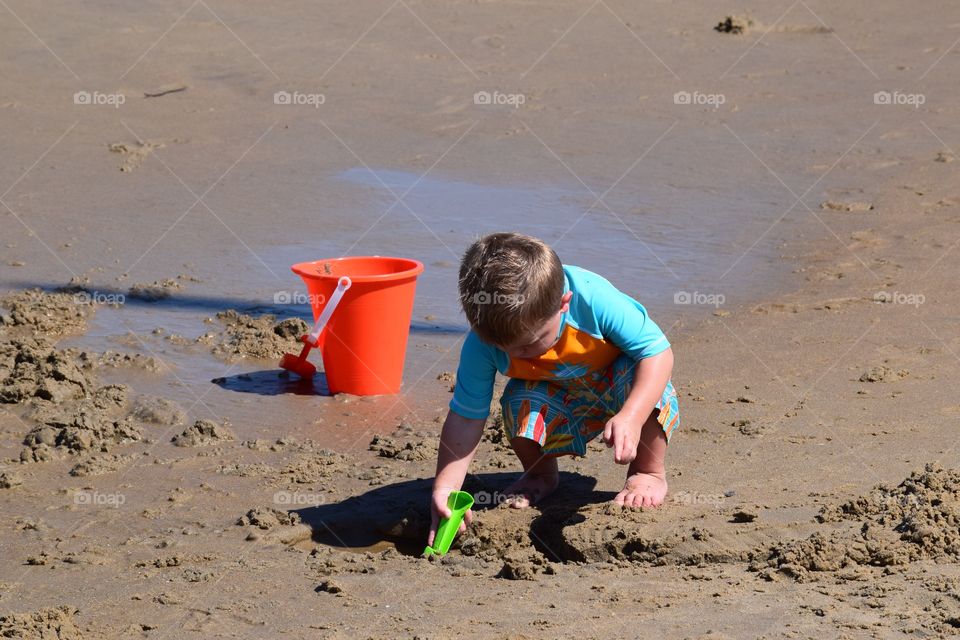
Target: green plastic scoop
point(458, 502)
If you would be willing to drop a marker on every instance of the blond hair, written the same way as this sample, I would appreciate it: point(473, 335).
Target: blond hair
point(509, 284)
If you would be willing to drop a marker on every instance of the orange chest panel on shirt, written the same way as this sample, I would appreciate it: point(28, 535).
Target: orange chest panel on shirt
point(575, 354)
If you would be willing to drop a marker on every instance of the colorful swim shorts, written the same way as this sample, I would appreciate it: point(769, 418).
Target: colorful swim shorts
point(564, 415)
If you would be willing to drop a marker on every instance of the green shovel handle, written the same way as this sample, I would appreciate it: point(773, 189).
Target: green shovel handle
point(459, 502)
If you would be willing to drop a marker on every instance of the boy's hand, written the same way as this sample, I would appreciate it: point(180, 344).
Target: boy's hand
point(622, 432)
point(440, 510)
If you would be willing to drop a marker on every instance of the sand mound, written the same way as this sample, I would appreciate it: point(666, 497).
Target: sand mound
point(202, 433)
point(606, 532)
point(158, 411)
point(50, 314)
point(317, 467)
point(152, 292)
point(256, 337)
point(267, 518)
point(524, 564)
point(46, 624)
point(71, 414)
point(578, 529)
point(919, 519)
point(504, 536)
point(100, 464)
point(32, 368)
point(95, 423)
point(410, 451)
point(883, 374)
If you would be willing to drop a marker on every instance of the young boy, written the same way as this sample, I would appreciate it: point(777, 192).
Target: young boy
point(583, 360)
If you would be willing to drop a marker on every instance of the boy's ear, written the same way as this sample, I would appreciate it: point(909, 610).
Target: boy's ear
point(565, 301)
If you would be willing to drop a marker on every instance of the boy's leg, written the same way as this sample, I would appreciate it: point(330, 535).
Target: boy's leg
point(646, 484)
point(534, 417)
point(541, 475)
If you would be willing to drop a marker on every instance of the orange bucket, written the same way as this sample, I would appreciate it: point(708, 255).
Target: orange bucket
point(365, 341)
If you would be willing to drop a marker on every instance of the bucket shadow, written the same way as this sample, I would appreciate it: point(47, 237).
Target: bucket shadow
point(274, 382)
point(399, 513)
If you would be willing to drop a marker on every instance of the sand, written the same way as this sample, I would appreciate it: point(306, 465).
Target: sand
point(263, 337)
point(814, 482)
point(202, 433)
point(46, 314)
point(46, 623)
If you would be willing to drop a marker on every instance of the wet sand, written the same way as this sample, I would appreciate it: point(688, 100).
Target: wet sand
point(797, 241)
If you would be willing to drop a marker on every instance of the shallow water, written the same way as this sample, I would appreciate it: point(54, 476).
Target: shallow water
point(653, 241)
point(653, 256)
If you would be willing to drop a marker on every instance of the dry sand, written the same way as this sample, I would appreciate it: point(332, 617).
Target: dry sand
point(815, 482)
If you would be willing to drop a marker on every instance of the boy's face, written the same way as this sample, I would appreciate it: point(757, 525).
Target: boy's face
point(542, 337)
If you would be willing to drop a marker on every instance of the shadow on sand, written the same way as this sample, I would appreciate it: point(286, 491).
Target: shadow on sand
point(274, 382)
point(399, 513)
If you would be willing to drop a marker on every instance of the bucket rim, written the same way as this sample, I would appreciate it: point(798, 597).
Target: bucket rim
point(309, 269)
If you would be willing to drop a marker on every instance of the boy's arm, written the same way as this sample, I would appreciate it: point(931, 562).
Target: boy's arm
point(624, 429)
point(458, 444)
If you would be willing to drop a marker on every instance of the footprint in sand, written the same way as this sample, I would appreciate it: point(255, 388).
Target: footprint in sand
point(856, 206)
point(449, 104)
point(494, 41)
point(134, 153)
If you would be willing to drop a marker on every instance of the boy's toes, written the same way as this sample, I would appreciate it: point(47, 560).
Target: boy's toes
point(642, 490)
point(636, 499)
point(518, 501)
point(522, 499)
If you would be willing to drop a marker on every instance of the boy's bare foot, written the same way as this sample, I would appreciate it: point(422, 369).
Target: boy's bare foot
point(643, 490)
point(531, 488)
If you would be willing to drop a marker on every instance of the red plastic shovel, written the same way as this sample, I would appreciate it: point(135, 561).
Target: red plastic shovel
point(299, 364)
